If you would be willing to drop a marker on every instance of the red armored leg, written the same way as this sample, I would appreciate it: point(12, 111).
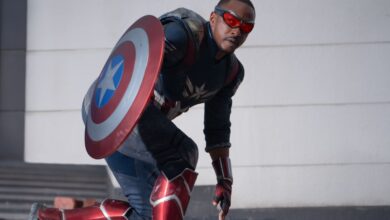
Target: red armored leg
point(108, 209)
point(170, 198)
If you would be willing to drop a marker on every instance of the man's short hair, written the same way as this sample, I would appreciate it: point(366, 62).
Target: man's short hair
point(248, 2)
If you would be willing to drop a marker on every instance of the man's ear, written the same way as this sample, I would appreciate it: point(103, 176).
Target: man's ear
point(213, 18)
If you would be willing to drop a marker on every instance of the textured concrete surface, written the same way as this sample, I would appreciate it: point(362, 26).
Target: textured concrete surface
point(200, 209)
point(13, 27)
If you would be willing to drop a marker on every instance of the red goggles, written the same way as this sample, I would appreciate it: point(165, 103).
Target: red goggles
point(232, 20)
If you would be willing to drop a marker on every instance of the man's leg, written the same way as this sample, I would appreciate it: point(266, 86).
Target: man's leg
point(176, 156)
point(173, 178)
point(170, 197)
point(108, 209)
point(136, 172)
point(136, 179)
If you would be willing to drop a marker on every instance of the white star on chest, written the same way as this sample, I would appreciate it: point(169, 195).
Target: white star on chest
point(107, 83)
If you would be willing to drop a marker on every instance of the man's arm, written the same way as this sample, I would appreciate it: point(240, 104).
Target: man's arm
point(223, 170)
point(217, 134)
point(217, 113)
point(176, 43)
point(219, 153)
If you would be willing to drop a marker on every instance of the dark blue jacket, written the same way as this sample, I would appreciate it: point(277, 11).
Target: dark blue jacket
point(191, 75)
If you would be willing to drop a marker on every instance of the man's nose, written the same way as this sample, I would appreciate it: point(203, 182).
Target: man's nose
point(236, 32)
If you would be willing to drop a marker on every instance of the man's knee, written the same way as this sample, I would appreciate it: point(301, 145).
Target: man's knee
point(182, 155)
point(189, 152)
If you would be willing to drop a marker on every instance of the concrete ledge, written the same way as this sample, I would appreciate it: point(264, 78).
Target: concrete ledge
point(320, 213)
point(200, 208)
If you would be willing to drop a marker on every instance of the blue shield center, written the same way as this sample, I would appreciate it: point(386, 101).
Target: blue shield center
point(109, 81)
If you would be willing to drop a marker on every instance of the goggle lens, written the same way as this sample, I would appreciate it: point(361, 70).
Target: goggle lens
point(246, 27)
point(233, 22)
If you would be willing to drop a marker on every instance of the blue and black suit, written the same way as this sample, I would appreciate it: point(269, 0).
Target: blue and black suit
point(190, 75)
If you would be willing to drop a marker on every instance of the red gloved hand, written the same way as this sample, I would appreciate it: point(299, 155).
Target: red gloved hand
point(223, 189)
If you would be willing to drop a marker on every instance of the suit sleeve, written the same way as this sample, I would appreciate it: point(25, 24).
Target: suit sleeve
point(217, 114)
point(176, 42)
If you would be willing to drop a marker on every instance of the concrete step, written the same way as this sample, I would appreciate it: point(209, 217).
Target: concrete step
point(9, 165)
point(53, 184)
point(82, 178)
point(39, 190)
point(19, 206)
point(27, 198)
point(51, 191)
point(22, 184)
point(13, 216)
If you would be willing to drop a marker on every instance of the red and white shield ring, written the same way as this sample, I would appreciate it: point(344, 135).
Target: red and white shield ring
point(124, 87)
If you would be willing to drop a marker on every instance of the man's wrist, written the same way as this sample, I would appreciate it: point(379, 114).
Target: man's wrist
point(223, 169)
point(219, 153)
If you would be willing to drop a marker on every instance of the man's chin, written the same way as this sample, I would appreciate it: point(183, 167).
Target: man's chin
point(229, 48)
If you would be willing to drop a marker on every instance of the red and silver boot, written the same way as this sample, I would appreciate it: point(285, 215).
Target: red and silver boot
point(108, 209)
point(170, 198)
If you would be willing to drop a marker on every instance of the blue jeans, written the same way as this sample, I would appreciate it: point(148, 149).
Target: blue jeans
point(136, 178)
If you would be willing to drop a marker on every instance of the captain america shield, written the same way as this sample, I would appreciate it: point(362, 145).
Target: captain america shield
point(124, 87)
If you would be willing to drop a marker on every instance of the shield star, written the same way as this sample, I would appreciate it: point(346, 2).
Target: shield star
point(107, 83)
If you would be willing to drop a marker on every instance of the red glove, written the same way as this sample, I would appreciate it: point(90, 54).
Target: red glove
point(223, 189)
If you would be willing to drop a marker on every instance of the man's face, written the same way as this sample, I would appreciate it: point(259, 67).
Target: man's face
point(227, 38)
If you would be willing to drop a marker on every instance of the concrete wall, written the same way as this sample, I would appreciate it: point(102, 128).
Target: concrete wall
point(310, 121)
point(12, 78)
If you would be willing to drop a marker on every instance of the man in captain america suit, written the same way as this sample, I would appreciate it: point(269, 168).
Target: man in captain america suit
point(155, 166)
